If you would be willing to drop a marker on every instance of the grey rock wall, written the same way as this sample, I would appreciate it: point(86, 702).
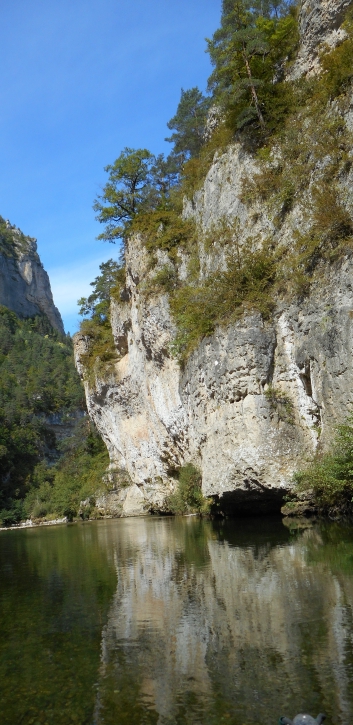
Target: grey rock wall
point(319, 23)
point(216, 412)
point(24, 283)
point(255, 399)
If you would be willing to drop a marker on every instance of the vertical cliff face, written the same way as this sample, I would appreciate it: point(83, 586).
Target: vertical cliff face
point(24, 284)
point(257, 397)
point(319, 24)
point(217, 410)
point(137, 407)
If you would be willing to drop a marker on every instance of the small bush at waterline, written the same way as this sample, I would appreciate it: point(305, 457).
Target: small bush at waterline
point(330, 477)
point(188, 497)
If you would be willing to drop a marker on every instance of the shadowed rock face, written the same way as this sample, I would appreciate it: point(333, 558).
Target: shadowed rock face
point(217, 411)
point(24, 284)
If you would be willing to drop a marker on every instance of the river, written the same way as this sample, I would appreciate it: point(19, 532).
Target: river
point(175, 621)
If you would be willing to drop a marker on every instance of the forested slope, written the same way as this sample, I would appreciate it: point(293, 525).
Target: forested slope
point(48, 447)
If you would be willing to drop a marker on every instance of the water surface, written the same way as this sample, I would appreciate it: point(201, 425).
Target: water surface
point(175, 621)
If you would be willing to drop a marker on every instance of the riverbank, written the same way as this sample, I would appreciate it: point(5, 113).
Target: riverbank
point(29, 524)
point(292, 521)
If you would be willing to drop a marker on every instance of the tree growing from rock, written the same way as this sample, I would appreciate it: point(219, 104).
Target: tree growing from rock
point(128, 190)
point(189, 123)
point(246, 52)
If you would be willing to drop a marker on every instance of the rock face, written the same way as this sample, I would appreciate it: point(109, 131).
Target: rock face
point(319, 24)
point(217, 412)
point(24, 284)
point(255, 398)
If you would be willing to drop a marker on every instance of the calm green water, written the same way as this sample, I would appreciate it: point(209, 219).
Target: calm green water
point(144, 621)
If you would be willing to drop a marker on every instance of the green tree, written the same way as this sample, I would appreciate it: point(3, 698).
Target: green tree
point(246, 51)
point(96, 305)
point(189, 123)
point(129, 189)
point(96, 310)
point(270, 8)
point(165, 176)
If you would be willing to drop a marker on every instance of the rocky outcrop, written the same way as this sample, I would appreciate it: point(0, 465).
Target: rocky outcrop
point(320, 24)
point(24, 283)
point(254, 399)
point(217, 411)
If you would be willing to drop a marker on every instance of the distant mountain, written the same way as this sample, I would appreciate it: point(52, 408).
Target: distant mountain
point(24, 283)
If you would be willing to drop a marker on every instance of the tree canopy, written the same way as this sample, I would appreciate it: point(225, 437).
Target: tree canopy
point(138, 182)
point(96, 305)
point(37, 379)
point(128, 190)
point(189, 123)
point(255, 38)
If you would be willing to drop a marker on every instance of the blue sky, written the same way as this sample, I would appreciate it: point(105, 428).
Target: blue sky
point(80, 80)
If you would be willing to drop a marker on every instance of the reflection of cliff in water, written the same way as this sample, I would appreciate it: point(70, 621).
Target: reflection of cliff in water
point(209, 622)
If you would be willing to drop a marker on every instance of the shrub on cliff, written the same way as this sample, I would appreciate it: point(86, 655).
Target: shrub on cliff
point(330, 476)
point(188, 497)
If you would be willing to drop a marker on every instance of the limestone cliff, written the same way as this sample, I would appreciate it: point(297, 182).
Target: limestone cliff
point(24, 284)
point(221, 409)
point(319, 24)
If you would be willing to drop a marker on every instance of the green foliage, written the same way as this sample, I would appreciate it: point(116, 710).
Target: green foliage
point(138, 182)
point(314, 142)
point(12, 240)
point(37, 379)
point(96, 328)
point(128, 190)
point(100, 348)
point(248, 51)
point(280, 403)
point(189, 123)
point(245, 284)
point(107, 284)
point(330, 235)
point(188, 497)
point(165, 229)
point(165, 280)
point(58, 490)
point(312, 134)
point(330, 476)
point(337, 64)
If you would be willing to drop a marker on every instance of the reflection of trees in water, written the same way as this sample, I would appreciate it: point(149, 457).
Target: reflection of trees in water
point(225, 620)
point(56, 586)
